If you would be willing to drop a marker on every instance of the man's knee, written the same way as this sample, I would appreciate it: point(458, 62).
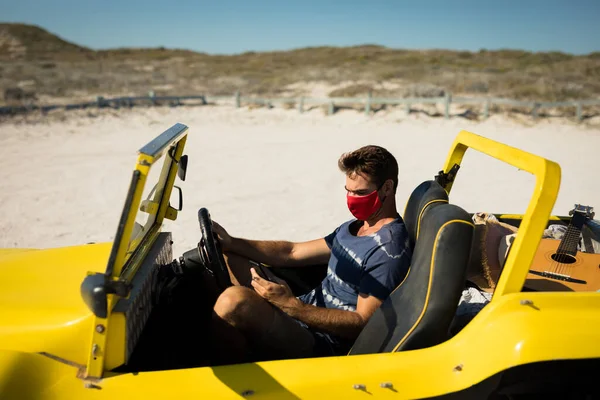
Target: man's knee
point(235, 303)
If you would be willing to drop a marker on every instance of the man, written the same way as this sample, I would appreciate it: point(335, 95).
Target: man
point(367, 258)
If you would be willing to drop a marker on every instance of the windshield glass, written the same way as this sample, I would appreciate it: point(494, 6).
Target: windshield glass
point(151, 196)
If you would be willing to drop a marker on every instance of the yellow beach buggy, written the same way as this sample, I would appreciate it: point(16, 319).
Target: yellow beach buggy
point(101, 321)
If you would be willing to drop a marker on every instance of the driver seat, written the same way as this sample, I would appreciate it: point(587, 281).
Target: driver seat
point(418, 313)
point(427, 193)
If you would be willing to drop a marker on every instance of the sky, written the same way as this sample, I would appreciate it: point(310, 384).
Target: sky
point(236, 26)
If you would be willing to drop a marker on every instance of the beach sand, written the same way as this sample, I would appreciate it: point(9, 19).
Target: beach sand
point(262, 173)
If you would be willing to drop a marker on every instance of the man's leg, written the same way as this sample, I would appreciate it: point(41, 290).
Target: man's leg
point(227, 344)
point(265, 329)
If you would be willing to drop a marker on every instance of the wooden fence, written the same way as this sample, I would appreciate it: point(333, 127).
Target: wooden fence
point(301, 102)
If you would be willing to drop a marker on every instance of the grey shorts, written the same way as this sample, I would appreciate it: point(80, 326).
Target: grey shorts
point(325, 344)
point(330, 344)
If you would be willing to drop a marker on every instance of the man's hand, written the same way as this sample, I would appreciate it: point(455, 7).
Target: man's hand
point(277, 293)
point(224, 237)
point(343, 323)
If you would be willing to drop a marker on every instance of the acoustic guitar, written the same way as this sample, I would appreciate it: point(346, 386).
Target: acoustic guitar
point(559, 266)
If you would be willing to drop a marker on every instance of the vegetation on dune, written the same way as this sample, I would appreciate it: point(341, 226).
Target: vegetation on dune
point(48, 65)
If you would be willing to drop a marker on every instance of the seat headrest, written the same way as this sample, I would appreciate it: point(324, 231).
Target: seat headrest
point(427, 193)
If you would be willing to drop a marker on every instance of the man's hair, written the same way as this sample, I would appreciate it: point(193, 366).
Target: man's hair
point(374, 161)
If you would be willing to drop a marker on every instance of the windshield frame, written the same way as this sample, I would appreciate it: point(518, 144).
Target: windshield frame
point(123, 257)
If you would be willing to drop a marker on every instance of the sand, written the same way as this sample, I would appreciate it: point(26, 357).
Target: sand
point(262, 173)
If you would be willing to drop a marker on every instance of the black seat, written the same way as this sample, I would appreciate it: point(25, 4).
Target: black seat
point(419, 312)
point(424, 195)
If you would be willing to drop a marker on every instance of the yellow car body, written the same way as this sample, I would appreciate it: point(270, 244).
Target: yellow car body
point(55, 345)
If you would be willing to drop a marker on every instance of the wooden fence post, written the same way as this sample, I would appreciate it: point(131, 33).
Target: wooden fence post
point(579, 112)
point(100, 101)
point(237, 99)
point(486, 109)
point(534, 110)
point(407, 108)
point(368, 104)
point(301, 105)
point(152, 97)
point(448, 100)
point(331, 108)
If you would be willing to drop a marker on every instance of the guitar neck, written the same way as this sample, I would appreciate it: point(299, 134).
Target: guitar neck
point(568, 244)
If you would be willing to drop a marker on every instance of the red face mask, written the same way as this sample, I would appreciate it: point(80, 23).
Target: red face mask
point(362, 207)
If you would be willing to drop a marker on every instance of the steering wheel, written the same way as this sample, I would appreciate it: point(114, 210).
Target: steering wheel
point(210, 250)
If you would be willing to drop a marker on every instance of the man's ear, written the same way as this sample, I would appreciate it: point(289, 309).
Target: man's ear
point(388, 187)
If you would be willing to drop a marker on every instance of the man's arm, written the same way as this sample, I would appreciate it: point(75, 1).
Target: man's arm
point(347, 324)
point(282, 253)
point(341, 323)
point(277, 253)
point(384, 269)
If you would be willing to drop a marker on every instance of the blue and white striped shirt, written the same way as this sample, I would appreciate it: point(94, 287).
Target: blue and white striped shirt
point(373, 265)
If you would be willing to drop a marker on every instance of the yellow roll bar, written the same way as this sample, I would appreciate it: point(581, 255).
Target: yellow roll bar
point(547, 182)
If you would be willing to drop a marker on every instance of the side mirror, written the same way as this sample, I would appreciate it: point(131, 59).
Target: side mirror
point(95, 289)
point(172, 211)
point(180, 207)
point(182, 168)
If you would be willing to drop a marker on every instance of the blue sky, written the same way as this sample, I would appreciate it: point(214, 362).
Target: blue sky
point(234, 26)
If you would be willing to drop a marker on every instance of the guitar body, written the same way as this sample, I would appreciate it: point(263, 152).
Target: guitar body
point(552, 272)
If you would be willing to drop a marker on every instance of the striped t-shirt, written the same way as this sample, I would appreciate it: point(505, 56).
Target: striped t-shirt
point(374, 265)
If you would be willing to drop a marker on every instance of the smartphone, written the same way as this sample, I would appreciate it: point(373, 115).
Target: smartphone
point(262, 270)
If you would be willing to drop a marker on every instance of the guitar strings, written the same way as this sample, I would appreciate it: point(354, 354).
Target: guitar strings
point(560, 260)
point(561, 257)
point(557, 265)
point(560, 264)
